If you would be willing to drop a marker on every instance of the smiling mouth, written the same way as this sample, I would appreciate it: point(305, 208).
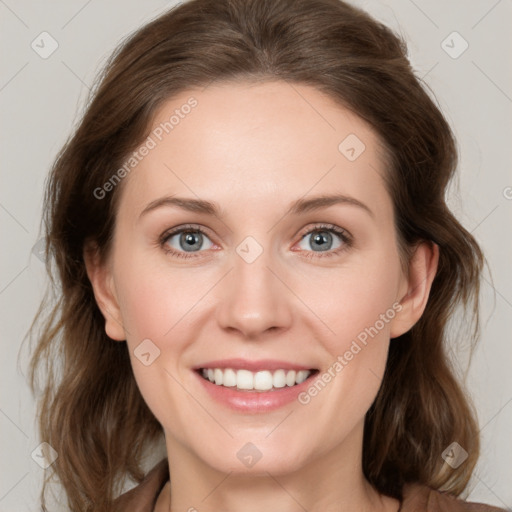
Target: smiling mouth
point(261, 381)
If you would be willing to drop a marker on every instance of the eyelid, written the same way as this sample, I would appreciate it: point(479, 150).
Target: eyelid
point(319, 226)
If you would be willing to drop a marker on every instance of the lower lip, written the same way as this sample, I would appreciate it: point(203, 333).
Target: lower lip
point(255, 401)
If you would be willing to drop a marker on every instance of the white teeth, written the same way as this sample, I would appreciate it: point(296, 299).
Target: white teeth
point(260, 381)
point(263, 381)
point(302, 375)
point(244, 379)
point(229, 378)
point(290, 377)
point(218, 374)
point(279, 379)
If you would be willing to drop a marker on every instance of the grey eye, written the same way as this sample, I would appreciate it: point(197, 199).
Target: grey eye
point(320, 239)
point(188, 240)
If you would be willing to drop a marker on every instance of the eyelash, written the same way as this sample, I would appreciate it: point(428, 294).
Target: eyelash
point(341, 233)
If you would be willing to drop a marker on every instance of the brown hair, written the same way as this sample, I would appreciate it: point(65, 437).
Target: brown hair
point(91, 410)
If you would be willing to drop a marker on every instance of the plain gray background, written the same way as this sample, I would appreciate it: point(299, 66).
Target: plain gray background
point(41, 99)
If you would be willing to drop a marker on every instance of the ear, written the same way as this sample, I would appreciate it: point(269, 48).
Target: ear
point(415, 288)
point(101, 278)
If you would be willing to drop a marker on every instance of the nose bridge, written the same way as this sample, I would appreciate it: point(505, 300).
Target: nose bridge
point(254, 299)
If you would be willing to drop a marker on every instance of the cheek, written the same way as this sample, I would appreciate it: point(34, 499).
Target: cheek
point(155, 308)
point(154, 300)
point(356, 299)
point(359, 322)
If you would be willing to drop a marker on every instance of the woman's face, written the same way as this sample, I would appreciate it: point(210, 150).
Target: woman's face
point(276, 279)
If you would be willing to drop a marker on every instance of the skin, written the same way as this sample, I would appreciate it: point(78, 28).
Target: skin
point(254, 148)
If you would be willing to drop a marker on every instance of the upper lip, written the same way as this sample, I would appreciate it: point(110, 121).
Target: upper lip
point(253, 366)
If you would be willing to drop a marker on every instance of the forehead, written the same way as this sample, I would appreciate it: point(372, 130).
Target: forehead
point(257, 142)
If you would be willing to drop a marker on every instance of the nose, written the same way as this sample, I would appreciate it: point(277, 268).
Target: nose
point(255, 298)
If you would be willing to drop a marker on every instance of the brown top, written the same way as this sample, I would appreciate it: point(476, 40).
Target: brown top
point(416, 498)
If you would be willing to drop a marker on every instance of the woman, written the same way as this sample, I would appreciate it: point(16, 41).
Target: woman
point(257, 265)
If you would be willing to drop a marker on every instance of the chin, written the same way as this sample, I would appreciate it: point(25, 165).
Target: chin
point(249, 459)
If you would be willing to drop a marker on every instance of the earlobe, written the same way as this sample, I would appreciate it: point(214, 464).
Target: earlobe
point(422, 271)
point(102, 283)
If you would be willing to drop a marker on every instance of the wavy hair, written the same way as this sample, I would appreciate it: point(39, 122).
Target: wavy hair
point(90, 409)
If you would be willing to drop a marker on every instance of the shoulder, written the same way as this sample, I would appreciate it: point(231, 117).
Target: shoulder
point(419, 498)
point(142, 498)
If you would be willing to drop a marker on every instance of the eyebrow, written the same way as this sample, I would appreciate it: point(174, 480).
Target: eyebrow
point(300, 206)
